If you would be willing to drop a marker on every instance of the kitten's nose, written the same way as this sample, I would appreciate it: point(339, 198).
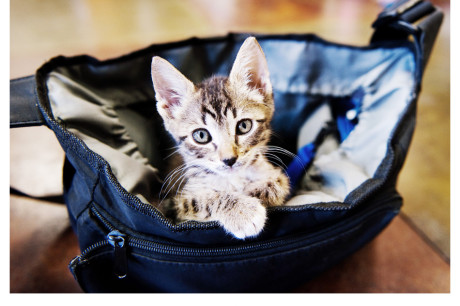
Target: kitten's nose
point(230, 161)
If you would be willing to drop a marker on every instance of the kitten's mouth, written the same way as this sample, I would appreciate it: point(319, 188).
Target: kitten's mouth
point(224, 169)
point(227, 169)
point(239, 165)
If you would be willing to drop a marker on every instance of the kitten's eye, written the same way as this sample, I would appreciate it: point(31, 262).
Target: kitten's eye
point(244, 126)
point(201, 136)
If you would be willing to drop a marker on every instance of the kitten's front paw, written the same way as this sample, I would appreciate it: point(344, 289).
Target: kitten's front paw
point(245, 219)
point(272, 192)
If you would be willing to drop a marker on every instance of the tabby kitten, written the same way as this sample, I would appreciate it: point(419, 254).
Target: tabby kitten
point(221, 128)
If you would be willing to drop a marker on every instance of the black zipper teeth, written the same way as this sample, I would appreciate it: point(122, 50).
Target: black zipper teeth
point(187, 251)
point(163, 248)
point(93, 247)
point(106, 223)
point(180, 250)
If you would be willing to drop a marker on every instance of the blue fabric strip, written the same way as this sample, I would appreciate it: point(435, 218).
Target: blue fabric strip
point(346, 118)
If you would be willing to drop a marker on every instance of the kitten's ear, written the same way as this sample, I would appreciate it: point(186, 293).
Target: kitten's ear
point(172, 88)
point(250, 68)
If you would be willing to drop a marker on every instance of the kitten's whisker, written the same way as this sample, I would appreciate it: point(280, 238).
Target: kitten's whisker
point(179, 188)
point(174, 152)
point(174, 171)
point(170, 176)
point(274, 162)
point(273, 158)
point(185, 176)
point(178, 173)
point(181, 181)
point(280, 150)
point(176, 179)
point(170, 188)
point(286, 152)
point(171, 182)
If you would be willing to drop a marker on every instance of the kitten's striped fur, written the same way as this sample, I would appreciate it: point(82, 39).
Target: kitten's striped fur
point(221, 127)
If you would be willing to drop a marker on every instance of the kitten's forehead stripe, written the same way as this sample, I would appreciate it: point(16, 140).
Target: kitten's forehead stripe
point(215, 99)
point(230, 105)
point(234, 112)
point(227, 108)
point(205, 111)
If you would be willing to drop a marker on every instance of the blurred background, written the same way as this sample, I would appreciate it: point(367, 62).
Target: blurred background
point(42, 29)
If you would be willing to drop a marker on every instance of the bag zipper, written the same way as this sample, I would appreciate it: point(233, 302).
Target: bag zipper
point(165, 248)
point(121, 241)
point(118, 242)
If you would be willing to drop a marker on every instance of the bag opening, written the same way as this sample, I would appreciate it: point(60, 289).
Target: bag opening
point(110, 106)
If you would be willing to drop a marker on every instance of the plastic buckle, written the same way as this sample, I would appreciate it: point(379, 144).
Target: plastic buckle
point(405, 19)
point(393, 15)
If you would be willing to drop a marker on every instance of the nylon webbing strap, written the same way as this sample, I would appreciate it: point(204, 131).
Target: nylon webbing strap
point(24, 109)
point(430, 28)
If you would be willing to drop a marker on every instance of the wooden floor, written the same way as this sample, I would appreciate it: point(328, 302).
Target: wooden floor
point(411, 255)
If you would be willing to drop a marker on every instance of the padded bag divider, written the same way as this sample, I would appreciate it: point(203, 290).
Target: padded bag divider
point(104, 116)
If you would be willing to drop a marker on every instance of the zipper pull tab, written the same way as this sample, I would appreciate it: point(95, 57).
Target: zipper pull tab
point(118, 241)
